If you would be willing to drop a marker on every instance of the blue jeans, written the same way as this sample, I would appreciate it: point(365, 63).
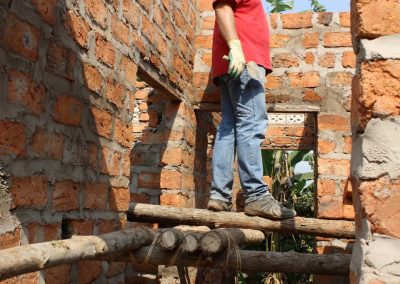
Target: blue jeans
point(242, 130)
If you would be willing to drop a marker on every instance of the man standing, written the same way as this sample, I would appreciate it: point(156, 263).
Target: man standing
point(241, 31)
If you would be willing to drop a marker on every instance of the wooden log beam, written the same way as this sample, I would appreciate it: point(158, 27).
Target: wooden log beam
point(289, 262)
point(219, 240)
point(191, 216)
point(28, 258)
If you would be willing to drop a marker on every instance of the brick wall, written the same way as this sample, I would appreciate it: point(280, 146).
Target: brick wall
point(314, 64)
point(68, 107)
point(375, 125)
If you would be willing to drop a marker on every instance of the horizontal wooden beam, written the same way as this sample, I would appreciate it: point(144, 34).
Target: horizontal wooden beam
point(242, 260)
point(29, 258)
point(290, 108)
point(191, 216)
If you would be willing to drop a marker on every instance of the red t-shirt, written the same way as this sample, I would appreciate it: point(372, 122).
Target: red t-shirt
point(253, 31)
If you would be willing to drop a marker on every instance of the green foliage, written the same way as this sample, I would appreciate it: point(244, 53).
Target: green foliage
point(280, 5)
point(317, 7)
point(295, 191)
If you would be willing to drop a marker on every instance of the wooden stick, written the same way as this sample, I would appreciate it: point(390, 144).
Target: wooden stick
point(191, 216)
point(28, 258)
point(217, 241)
point(191, 243)
point(170, 239)
point(288, 262)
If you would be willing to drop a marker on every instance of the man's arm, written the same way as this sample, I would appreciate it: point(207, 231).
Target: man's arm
point(226, 21)
point(227, 26)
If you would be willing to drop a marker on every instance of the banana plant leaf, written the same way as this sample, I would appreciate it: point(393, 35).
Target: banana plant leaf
point(280, 5)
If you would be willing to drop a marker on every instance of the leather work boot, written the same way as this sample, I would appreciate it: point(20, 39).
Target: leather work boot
point(219, 205)
point(270, 208)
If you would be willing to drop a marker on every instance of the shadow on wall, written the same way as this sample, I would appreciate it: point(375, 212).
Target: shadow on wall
point(67, 113)
point(66, 100)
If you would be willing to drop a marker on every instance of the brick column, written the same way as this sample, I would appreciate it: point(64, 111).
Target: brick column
point(376, 136)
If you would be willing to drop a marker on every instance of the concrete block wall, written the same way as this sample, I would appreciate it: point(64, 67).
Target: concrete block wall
point(70, 116)
point(376, 132)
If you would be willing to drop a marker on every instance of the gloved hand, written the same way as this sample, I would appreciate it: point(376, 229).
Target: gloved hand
point(237, 62)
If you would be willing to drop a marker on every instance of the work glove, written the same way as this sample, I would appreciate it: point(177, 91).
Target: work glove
point(237, 62)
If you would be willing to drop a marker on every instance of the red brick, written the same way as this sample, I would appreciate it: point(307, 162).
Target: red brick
point(203, 41)
point(46, 9)
point(102, 122)
point(89, 271)
point(344, 19)
point(80, 227)
point(162, 46)
point(107, 226)
point(47, 145)
point(120, 30)
point(297, 21)
point(115, 92)
point(139, 198)
point(340, 79)
point(327, 60)
point(348, 211)
point(95, 195)
point(98, 11)
point(60, 61)
point(77, 28)
point(68, 110)
point(92, 78)
point(119, 199)
point(188, 181)
point(172, 156)
point(105, 51)
point(149, 180)
point(310, 40)
point(123, 133)
point(10, 239)
point(333, 122)
point(279, 40)
point(285, 60)
point(13, 138)
point(146, 4)
point(110, 161)
point(171, 200)
point(126, 164)
point(20, 37)
point(326, 187)
point(51, 231)
point(129, 69)
point(334, 167)
point(274, 20)
point(29, 192)
point(131, 12)
point(65, 196)
point(349, 59)
point(23, 90)
point(380, 86)
point(330, 207)
point(204, 5)
point(337, 39)
point(273, 82)
point(148, 30)
point(304, 80)
point(325, 18)
point(309, 58)
point(208, 23)
point(379, 204)
point(170, 180)
point(144, 117)
point(59, 274)
point(372, 19)
point(326, 147)
point(311, 96)
point(347, 145)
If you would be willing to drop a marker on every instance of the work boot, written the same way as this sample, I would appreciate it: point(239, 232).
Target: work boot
point(268, 207)
point(218, 205)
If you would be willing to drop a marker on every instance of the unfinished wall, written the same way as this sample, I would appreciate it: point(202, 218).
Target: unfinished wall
point(376, 150)
point(68, 75)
